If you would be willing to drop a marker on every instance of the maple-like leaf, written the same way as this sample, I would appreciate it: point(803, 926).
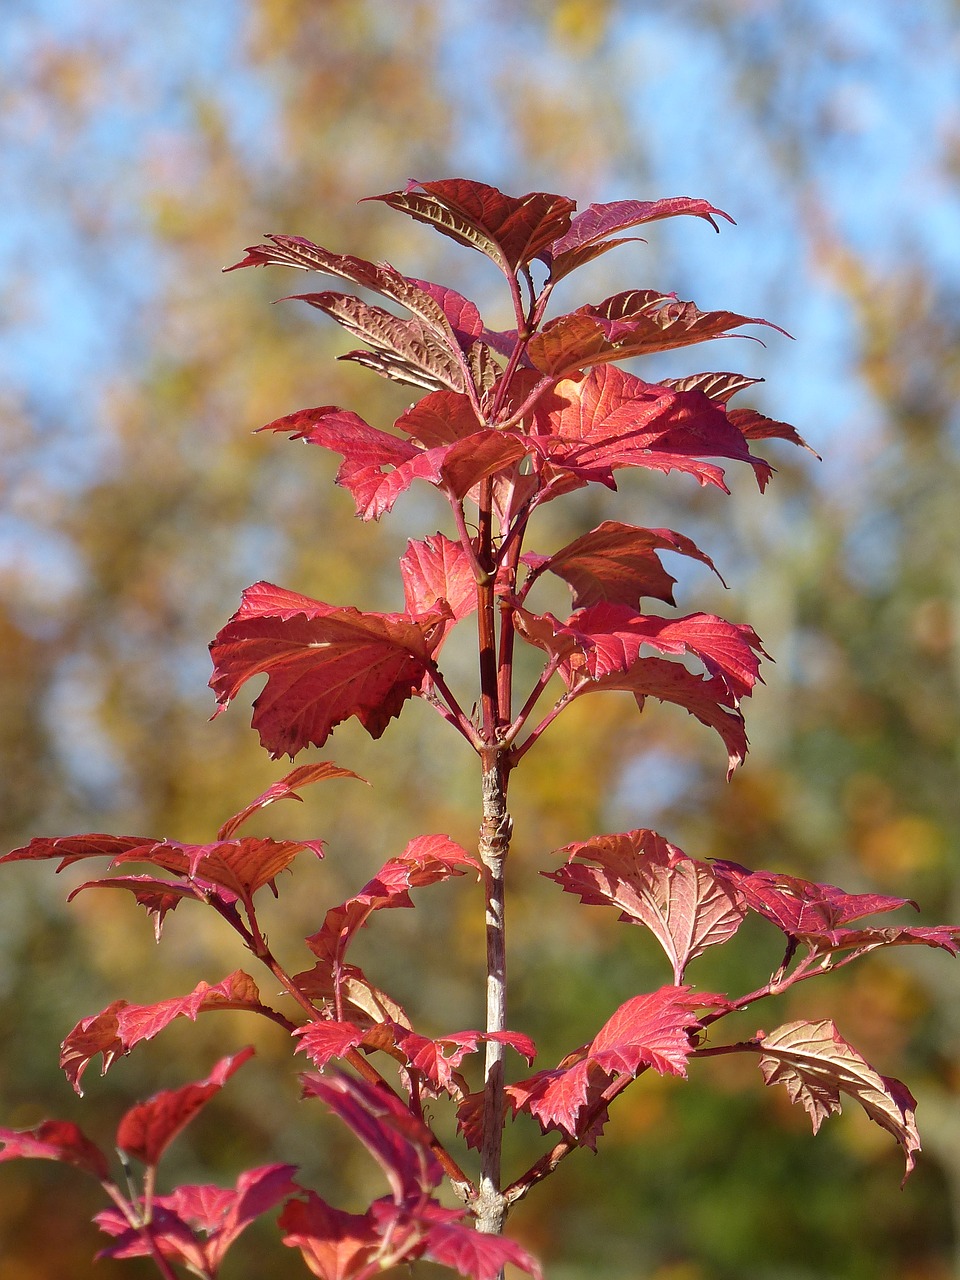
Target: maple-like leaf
point(611, 637)
point(322, 664)
point(651, 1030)
point(618, 563)
point(803, 907)
point(295, 251)
point(680, 900)
point(468, 1251)
point(426, 860)
point(606, 419)
point(398, 1141)
point(148, 1128)
point(437, 570)
point(323, 1040)
point(943, 937)
point(438, 1059)
point(157, 897)
point(335, 1245)
point(196, 1225)
point(60, 1140)
point(286, 789)
point(415, 353)
point(628, 324)
point(378, 467)
point(815, 1064)
point(587, 236)
point(706, 699)
point(511, 230)
point(117, 1029)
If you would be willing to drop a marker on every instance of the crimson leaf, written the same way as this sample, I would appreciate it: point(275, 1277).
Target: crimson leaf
point(618, 563)
point(117, 1029)
point(681, 901)
point(511, 230)
point(285, 789)
point(335, 1245)
point(55, 1140)
point(322, 664)
point(587, 236)
point(148, 1128)
point(816, 1065)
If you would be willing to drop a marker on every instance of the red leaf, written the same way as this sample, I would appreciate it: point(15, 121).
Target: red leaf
point(71, 849)
point(587, 236)
point(426, 860)
point(802, 907)
point(438, 570)
point(943, 936)
point(121, 1026)
point(474, 1253)
point(398, 1141)
point(321, 1041)
point(415, 354)
point(149, 1127)
point(611, 637)
point(707, 700)
point(240, 866)
point(335, 1245)
point(443, 417)
point(285, 789)
point(323, 665)
point(55, 1140)
point(294, 251)
point(157, 897)
point(816, 1065)
point(462, 314)
point(510, 230)
point(757, 427)
point(720, 387)
point(647, 1031)
point(196, 1225)
point(369, 455)
point(438, 1059)
point(618, 563)
point(628, 324)
point(609, 419)
point(680, 900)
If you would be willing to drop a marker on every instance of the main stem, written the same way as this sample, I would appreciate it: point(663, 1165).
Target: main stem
point(491, 1205)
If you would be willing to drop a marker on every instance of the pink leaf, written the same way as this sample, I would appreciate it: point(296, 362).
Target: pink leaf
point(587, 235)
point(618, 563)
point(157, 897)
point(442, 417)
point(802, 907)
point(816, 1065)
point(335, 1245)
point(681, 901)
point(609, 419)
point(285, 789)
point(647, 1031)
point(55, 1140)
point(121, 1026)
point(148, 1128)
point(323, 665)
point(240, 866)
point(510, 230)
point(321, 1040)
point(398, 1141)
point(438, 570)
point(413, 349)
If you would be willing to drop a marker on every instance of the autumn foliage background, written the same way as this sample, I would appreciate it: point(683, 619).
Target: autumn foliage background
point(139, 156)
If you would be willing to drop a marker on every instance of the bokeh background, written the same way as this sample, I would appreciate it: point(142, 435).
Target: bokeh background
point(141, 148)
